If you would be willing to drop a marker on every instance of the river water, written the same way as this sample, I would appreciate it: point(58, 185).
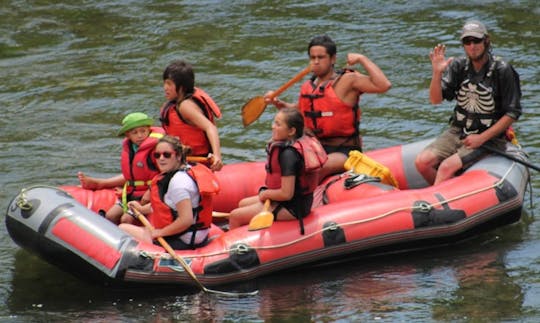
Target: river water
point(69, 72)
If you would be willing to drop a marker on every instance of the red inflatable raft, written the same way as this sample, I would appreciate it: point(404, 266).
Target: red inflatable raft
point(354, 213)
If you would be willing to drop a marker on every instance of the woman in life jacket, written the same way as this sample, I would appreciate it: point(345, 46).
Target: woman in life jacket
point(288, 186)
point(190, 113)
point(177, 209)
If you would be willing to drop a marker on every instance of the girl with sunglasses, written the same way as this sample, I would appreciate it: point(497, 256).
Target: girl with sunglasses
point(180, 207)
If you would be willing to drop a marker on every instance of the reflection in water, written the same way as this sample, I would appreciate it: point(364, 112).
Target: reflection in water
point(469, 280)
point(36, 284)
point(484, 290)
point(43, 292)
point(462, 284)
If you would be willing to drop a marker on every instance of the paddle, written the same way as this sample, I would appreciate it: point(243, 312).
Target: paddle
point(198, 159)
point(263, 219)
point(504, 154)
point(216, 214)
point(253, 109)
point(180, 260)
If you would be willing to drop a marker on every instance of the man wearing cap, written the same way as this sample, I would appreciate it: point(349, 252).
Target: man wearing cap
point(487, 94)
point(137, 163)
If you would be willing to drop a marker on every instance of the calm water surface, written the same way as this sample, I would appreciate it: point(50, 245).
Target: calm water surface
point(69, 72)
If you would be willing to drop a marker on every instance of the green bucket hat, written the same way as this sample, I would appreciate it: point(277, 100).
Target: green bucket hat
point(134, 120)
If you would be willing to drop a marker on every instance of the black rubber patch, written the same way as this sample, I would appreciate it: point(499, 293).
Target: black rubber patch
point(427, 216)
point(241, 257)
point(505, 191)
point(333, 234)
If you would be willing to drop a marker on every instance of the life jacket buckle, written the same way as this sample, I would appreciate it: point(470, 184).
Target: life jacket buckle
point(358, 179)
point(469, 132)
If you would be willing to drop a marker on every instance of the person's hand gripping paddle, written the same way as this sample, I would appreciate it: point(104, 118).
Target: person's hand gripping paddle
point(253, 109)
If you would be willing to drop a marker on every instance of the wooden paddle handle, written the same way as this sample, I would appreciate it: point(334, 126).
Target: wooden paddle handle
point(216, 214)
point(197, 159)
point(181, 260)
point(295, 79)
point(168, 248)
point(266, 205)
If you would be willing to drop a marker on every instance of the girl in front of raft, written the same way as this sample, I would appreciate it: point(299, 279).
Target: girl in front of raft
point(180, 207)
point(293, 164)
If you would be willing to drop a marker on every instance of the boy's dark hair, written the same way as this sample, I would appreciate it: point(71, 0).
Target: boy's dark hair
point(324, 41)
point(181, 73)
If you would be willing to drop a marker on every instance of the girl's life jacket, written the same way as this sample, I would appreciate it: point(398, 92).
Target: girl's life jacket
point(190, 135)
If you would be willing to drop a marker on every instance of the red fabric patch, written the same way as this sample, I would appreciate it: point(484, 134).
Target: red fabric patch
point(86, 243)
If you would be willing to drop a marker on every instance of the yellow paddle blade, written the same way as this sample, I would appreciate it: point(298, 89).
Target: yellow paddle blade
point(252, 110)
point(261, 221)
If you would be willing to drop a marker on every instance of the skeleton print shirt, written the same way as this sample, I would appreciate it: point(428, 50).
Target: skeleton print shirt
point(482, 97)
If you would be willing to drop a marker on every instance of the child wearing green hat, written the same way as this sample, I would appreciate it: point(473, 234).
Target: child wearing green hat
point(137, 163)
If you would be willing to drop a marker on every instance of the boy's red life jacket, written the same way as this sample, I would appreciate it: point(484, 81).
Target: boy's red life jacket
point(325, 114)
point(313, 156)
point(162, 215)
point(190, 135)
point(140, 167)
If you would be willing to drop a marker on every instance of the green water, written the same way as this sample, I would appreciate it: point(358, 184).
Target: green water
point(70, 71)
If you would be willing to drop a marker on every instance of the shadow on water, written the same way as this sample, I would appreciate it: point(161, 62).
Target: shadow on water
point(442, 283)
point(40, 291)
point(55, 289)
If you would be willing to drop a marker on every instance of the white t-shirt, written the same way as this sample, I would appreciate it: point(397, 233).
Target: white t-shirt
point(182, 187)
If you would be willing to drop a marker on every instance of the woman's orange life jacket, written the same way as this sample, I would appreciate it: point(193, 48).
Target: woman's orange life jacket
point(190, 135)
point(207, 183)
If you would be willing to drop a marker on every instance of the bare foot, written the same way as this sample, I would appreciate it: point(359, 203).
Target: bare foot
point(88, 182)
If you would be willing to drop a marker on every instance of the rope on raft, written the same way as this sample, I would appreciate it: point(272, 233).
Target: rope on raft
point(24, 204)
point(240, 249)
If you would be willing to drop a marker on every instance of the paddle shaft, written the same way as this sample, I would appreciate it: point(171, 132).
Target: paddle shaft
point(198, 159)
point(295, 79)
point(253, 109)
point(169, 249)
point(266, 205)
point(181, 261)
point(217, 214)
point(504, 154)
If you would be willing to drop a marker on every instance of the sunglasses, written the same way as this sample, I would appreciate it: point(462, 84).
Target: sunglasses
point(165, 154)
point(474, 40)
